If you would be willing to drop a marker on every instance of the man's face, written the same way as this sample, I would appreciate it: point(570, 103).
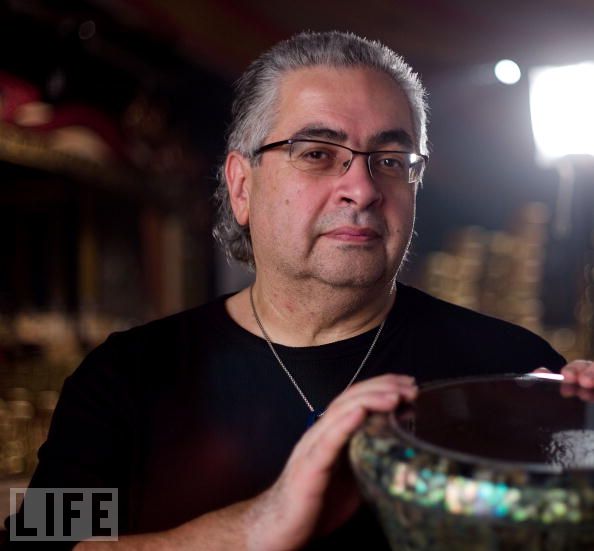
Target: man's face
point(343, 230)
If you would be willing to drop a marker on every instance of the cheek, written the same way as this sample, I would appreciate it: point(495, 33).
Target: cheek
point(303, 204)
point(401, 212)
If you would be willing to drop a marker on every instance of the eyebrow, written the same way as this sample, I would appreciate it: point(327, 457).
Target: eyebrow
point(395, 135)
point(318, 131)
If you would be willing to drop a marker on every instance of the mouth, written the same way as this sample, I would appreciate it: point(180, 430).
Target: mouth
point(353, 234)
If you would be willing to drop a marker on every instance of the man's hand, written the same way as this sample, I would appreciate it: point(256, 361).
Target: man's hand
point(315, 492)
point(579, 372)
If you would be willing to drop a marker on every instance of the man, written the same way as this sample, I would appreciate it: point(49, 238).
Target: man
point(201, 419)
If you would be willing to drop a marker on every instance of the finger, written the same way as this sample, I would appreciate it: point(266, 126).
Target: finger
point(576, 391)
point(586, 377)
point(384, 383)
point(378, 394)
point(389, 381)
point(311, 463)
point(375, 400)
point(580, 372)
point(542, 370)
point(568, 390)
point(570, 372)
point(332, 438)
point(371, 400)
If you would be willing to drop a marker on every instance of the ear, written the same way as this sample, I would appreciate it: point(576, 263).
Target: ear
point(238, 173)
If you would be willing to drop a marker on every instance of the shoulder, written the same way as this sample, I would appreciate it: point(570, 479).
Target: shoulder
point(155, 348)
point(190, 325)
point(429, 310)
point(180, 325)
point(470, 334)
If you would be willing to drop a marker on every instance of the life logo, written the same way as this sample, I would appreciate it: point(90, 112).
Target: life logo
point(64, 514)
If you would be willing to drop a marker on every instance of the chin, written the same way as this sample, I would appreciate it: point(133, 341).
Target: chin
point(350, 277)
point(360, 270)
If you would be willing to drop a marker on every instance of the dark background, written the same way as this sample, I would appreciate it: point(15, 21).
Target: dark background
point(159, 73)
point(112, 121)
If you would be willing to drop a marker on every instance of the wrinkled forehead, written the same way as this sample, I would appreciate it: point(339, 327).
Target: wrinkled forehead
point(354, 104)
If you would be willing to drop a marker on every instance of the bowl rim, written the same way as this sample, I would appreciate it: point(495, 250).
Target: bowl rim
point(478, 461)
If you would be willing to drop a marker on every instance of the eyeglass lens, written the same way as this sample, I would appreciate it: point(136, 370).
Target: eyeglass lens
point(324, 159)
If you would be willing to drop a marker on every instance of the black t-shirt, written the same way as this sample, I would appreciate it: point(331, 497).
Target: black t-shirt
point(192, 413)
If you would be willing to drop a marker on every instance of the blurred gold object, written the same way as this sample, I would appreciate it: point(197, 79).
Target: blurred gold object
point(500, 273)
point(23, 428)
point(38, 350)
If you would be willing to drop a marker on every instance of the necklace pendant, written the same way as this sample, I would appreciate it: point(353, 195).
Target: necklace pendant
point(314, 416)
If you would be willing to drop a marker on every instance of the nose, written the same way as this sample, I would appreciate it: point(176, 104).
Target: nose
point(356, 186)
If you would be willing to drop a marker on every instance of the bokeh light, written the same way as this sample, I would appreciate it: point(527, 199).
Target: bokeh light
point(507, 71)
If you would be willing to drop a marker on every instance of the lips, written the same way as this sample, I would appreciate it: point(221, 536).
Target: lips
point(353, 233)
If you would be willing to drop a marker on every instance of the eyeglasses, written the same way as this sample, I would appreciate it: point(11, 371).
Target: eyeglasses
point(331, 159)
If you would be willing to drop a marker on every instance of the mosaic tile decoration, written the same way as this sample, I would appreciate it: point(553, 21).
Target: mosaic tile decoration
point(434, 501)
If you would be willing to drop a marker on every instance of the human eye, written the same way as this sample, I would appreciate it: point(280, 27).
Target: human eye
point(315, 154)
point(390, 163)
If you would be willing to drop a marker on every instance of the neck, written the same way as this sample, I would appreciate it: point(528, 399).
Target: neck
point(312, 314)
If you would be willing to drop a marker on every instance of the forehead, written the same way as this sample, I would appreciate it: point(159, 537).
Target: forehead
point(356, 102)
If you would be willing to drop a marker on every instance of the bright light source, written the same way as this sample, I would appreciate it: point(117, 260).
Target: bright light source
point(562, 110)
point(507, 71)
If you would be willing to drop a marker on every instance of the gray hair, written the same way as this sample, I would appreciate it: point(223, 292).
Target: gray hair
point(256, 92)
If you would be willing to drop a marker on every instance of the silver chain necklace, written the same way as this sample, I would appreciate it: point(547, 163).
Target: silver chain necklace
point(314, 414)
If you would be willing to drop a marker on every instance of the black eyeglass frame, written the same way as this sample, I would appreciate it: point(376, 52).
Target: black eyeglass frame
point(274, 145)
